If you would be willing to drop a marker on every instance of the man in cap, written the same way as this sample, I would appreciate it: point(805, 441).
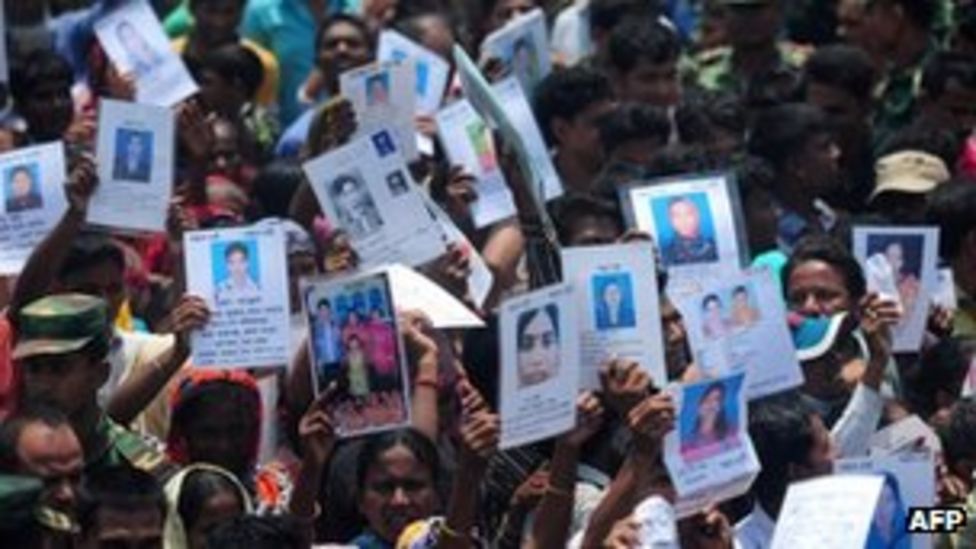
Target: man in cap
point(753, 28)
point(25, 521)
point(904, 181)
point(62, 349)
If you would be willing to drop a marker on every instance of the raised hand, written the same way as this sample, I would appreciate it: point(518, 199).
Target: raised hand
point(316, 429)
point(624, 385)
point(82, 182)
point(190, 314)
point(589, 420)
point(653, 417)
point(195, 131)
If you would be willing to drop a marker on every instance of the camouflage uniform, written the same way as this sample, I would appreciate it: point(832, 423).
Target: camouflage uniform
point(712, 70)
point(67, 323)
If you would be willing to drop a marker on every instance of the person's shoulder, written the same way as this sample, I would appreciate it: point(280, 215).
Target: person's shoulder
point(139, 452)
point(795, 54)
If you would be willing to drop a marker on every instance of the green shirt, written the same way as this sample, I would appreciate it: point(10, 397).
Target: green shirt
point(713, 69)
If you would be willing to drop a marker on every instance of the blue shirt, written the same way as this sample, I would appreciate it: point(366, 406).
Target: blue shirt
point(290, 143)
point(287, 28)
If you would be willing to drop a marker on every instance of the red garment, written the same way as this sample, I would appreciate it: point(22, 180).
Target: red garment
point(9, 374)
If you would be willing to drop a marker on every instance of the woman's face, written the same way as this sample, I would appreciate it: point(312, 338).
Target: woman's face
point(21, 184)
point(817, 288)
point(216, 435)
point(397, 491)
point(538, 350)
point(710, 406)
point(224, 505)
point(895, 255)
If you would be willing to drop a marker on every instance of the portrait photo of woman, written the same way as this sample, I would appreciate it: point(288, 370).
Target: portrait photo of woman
point(537, 341)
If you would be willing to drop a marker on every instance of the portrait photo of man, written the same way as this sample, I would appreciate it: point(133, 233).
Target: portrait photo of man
point(133, 155)
point(685, 228)
point(236, 277)
point(21, 189)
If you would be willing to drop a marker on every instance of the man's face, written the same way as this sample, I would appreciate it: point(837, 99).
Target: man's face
point(237, 265)
point(225, 156)
point(820, 163)
point(881, 26)
point(436, 34)
point(215, 436)
point(54, 455)
point(580, 137)
point(751, 25)
point(48, 110)
point(134, 146)
point(69, 381)
point(105, 280)
point(21, 184)
point(132, 528)
point(846, 115)
point(816, 288)
point(325, 313)
point(685, 219)
point(343, 48)
point(850, 23)
point(820, 460)
point(217, 20)
point(353, 198)
point(651, 84)
point(593, 231)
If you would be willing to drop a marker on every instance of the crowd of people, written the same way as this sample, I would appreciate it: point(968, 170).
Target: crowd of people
point(826, 113)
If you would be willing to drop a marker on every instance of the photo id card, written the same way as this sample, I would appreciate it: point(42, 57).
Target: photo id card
point(242, 275)
point(468, 142)
point(695, 221)
point(912, 253)
point(619, 309)
point(134, 40)
point(709, 454)
point(33, 199)
point(355, 343)
point(135, 167)
point(539, 365)
point(431, 69)
point(828, 511)
point(523, 46)
point(377, 95)
point(738, 324)
point(366, 190)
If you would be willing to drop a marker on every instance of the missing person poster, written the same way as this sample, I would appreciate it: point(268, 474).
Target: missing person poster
point(695, 221)
point(469, 142)
point(32, 195)
point(380, 95)
point(432, 70)
point(242, 275)
point(909, 481)
point(134, 40)
point(355, 343)
point(709, 455)
point(135, 167)
point(619, 309)
point(540, 375)
point(738, 324)
point(828, 511)
point(912, 253)
point(366, 190)
point(523, 46)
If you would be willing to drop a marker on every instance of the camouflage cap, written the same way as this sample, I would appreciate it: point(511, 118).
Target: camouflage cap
point(60, 324)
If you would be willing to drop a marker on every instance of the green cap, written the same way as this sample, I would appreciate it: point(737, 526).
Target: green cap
point(60, 324)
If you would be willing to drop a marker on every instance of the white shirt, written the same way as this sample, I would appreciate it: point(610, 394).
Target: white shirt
point(852, 432)
point(755, 531)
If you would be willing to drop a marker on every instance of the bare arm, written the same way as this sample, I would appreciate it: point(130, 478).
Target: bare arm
point(424, 351)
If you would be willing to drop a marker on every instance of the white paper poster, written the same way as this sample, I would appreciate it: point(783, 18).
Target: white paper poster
point(432, 71)
point(414, 291)
point(480, 278)
point(912, 253)
point(366, 190)
point(468, 142)
point(909, 481)
point(907, 435)
point(709, 455)
point(738, 324)
point(695, 221)
point(619, 308)
point(379, 98)
point(355, 342)
point(540, 365)
point(33, 201)
point(523, 45)
point(242, 275)
point(134, 40)
point(945, 293)
point(828, 511)
point(135, 167)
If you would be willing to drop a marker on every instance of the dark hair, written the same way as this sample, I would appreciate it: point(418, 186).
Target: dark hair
point(634, 122)
point(528, 316)
point(120, 487)
point(782, 433)
point(236, 248)
point(257, 532)
point(349, 19)
point(740, 290)
point(88, 250)
point(566, 94)
point(942, 369)
point(21, 168)
point(781, 132)
point(235, 63)
point(680, 160)
point(721, 423)
point(574, 207)
point(197, 3)
point(919, 12)
point(701, 112)
point(276, 185)
point(843, 66)
point(711, 298)
point(339, 182)
point(951, 207)
point(959, 440)
point(605, 15)
point(30, 412)
point(924, 136)
point(220, 393)
point(376, 445)
point(198, 488)
point(37, 68)
point(830, 251)
point(946, 67)
point(324, 302)
point(642, 39)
